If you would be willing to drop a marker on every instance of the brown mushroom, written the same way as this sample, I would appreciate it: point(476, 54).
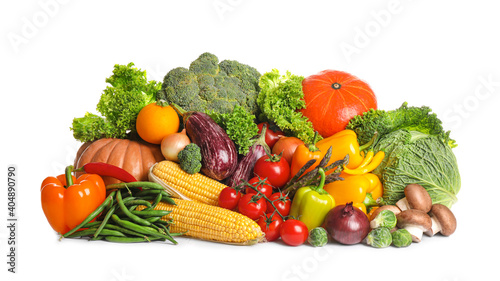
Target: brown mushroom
point(415, 221)
point(416, 197)
point(443, 220)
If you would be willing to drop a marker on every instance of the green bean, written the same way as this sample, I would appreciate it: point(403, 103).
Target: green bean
point(143, 184)
point(152, 219)
point(165, 199)
point(131, 239)
point(138, 202)
point(141, 229)
point(104, 221)
point(93, 224)
point(91, 231)
point(152, 213)
point(126, 212)
point(92, 215)
point(157, 200)
point(123, 230)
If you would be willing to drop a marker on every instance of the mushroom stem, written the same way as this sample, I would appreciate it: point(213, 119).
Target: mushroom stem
point(403, 204)
point(435, 228)
point(416, 232)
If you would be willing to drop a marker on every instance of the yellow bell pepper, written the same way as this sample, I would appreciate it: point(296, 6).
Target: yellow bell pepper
point(363, 190)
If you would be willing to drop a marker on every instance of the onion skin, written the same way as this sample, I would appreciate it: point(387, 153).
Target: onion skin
point(346, 224)
point(287, 145)
point(172, 144)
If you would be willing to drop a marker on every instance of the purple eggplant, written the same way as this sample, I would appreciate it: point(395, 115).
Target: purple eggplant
point(244, 171)
point(218, 152)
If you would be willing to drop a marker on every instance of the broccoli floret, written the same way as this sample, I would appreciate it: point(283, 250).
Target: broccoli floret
point(212, 86)
point(190, 158)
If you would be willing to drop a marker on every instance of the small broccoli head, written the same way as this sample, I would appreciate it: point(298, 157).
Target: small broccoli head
point(206, 63)
point(190, 158)
point(212, 86)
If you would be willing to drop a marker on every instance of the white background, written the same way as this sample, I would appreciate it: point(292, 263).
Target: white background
point(56, 55)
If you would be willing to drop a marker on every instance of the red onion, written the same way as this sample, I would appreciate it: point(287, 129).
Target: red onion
point(346, 224)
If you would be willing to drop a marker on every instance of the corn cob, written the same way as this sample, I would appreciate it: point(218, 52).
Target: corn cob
point(212, 223)
point(186, 186)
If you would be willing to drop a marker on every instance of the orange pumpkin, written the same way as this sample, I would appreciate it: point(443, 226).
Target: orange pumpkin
point(136, 157)
point(332, 98)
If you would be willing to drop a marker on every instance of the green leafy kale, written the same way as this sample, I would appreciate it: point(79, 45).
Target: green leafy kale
point(279, 99)
point(410, 118)
point(119, 105)
point(210, 86)
point(239, 125)
point(417, 150)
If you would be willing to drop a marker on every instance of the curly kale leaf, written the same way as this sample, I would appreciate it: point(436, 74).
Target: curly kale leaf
point(279, 99)
point(119, 104)
point(410, 118)
point(239, 125)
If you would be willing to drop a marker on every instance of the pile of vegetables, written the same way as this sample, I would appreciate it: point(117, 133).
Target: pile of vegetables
point(271, 157)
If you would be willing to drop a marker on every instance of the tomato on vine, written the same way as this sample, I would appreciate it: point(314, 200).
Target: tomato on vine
point(273, 167)
point(229, 198)
point(282, 204)
point(252, 206)
point(262, 184)
point(270, 225)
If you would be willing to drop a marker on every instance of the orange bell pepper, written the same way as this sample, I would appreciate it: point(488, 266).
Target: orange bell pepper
point(67, 201)
point(304, 153)
point(362, 190)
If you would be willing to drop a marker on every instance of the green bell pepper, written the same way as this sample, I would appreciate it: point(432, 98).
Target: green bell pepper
point(311, 204)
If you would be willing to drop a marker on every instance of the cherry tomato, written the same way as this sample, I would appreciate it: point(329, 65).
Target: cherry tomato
point(270, 225)
point(282, 204)
point(294, 232)
point(262, 184)
point(273, 167)
point(252, 206)
point(271, 136)
point(229, 198)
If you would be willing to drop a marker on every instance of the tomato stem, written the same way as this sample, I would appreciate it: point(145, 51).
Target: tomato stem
point(69, 177)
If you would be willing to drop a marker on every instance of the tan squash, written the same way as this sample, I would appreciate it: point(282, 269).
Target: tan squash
point(136, 157)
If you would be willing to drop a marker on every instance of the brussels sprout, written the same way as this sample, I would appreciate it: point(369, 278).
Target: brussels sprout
point(379, 237)
point(386, 218)
point(401, 238)
point(318, 237)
